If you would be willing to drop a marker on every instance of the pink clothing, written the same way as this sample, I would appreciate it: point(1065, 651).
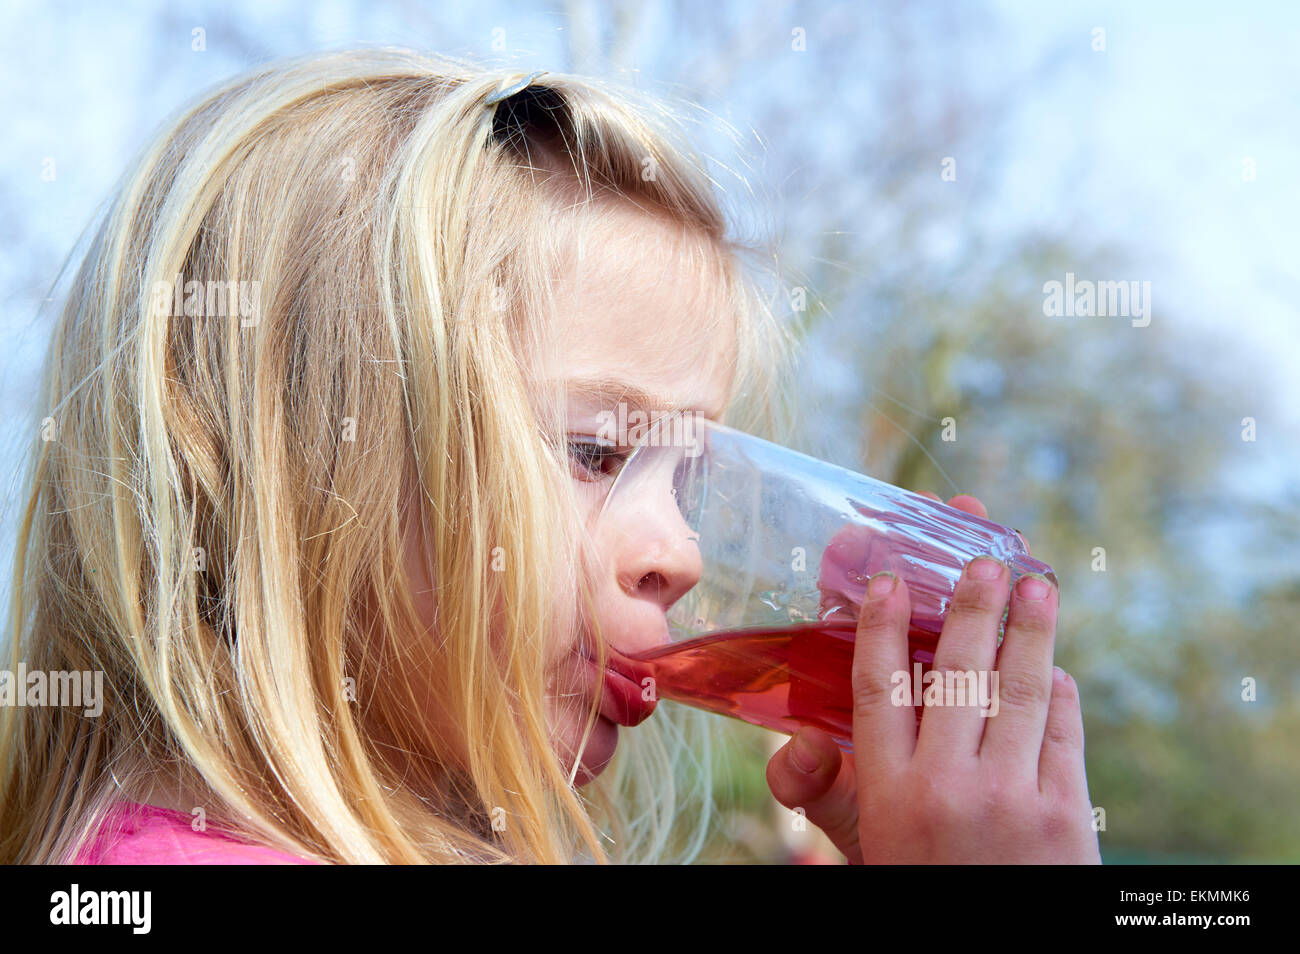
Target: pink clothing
point(136, 834)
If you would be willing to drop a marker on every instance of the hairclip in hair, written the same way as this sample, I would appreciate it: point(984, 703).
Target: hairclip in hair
point(513, 88)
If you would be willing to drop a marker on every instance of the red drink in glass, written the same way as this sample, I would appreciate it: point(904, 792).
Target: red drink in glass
point(780, 679)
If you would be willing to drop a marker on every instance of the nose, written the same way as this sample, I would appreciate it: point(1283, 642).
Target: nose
point(663, 573)
point(658, 558)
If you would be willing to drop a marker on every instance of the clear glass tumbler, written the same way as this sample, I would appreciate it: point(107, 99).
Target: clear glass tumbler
point(787, 544)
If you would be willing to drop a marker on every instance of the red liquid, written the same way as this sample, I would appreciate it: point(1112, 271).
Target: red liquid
point(780, 679)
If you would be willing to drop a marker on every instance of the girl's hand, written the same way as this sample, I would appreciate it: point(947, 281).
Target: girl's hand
point(1007, 788)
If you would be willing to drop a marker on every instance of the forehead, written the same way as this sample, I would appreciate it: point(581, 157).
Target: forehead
point(640, 314)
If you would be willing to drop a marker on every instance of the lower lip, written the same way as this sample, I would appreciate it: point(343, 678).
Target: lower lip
point(622, 702)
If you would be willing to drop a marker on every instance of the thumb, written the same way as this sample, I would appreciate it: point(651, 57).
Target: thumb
point(810, 772)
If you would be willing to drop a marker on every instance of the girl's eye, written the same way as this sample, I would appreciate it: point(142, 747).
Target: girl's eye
point(596, 460)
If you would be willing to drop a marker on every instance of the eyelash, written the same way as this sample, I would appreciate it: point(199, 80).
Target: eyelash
point(591, 458)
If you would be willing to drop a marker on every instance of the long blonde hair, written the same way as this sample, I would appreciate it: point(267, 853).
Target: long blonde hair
point(217, 503)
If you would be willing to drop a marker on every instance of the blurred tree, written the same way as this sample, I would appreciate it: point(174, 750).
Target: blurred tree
point(1096, 438)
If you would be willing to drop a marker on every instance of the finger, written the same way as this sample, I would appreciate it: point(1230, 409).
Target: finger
point(1061, 769)
point(809, 773)
point(970, 504)
point(967, 644)
point(926, 493)
point(1013, 737)
point(853, 553)
point(883, 733)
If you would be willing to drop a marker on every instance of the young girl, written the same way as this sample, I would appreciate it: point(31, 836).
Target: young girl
point(316, 493)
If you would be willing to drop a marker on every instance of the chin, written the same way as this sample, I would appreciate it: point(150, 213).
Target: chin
point(599, 751)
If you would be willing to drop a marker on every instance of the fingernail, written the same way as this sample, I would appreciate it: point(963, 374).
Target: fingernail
point(1060, 674)
point(882, 584)
point(985, 568)
point(803, 755)
point(1033, 587)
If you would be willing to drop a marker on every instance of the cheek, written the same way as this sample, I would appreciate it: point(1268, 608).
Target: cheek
point(594, 569)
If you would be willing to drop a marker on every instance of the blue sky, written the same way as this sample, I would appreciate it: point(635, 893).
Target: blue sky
point(1184, 93)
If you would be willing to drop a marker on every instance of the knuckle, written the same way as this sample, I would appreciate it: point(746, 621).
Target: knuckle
point(1003, 796)
point(937, 804)
point(957, 676)
point(1065, 718)
point(871, 690)
point(975, 598)
point(876, 616)
point(1058, 821)
point(995, 796)
point(1063, 735)
point(1023, 692)
point(1032, 619)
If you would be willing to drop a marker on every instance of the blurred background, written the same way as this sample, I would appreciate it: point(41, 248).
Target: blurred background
point(923, 170)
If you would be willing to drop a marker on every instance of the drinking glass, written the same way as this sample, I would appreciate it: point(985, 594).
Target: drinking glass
point(787, 544)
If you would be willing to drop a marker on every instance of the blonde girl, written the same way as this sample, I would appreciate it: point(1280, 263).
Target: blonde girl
point(317, 482)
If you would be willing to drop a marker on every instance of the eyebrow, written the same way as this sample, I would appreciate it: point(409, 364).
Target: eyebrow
point(613, 390)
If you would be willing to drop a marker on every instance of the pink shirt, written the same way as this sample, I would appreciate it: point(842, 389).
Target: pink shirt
point(136, 834)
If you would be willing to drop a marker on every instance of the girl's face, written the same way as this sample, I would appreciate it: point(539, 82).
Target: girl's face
point(634, 328)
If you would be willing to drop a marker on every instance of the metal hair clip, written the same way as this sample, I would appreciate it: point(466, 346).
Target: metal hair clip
point(513, 88)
